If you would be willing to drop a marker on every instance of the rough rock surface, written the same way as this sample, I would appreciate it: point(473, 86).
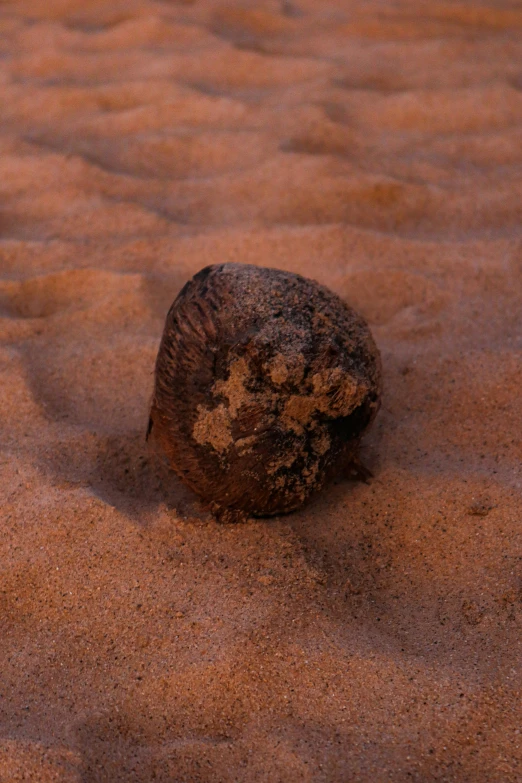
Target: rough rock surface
point(265, 383)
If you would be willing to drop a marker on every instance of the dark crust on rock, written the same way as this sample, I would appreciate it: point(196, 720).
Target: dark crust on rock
point(265, 382)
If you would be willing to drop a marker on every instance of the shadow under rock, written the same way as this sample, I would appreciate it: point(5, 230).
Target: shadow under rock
point(125, 472)
point(134, 477)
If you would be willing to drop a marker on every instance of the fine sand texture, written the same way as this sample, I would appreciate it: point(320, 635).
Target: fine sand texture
point(375, 635)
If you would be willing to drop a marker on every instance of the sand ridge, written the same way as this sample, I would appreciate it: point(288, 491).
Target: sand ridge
point(375, 635)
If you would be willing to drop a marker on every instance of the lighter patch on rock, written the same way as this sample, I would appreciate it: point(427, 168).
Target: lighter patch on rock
point(278, 370)
point(213, 427)
point(233, 389)
point(282, 462)
point(334, 393)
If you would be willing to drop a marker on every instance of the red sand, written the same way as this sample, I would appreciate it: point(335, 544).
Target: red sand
point(374, 636)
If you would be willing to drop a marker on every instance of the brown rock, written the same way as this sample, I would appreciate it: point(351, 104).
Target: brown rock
point(265, 383)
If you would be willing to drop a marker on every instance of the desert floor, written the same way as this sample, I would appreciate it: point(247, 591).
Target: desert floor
point(375, 635)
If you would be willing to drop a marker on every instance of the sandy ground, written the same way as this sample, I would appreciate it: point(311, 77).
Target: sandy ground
point(376, 635)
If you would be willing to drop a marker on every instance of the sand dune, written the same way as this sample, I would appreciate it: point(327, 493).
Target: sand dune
point(375, 635)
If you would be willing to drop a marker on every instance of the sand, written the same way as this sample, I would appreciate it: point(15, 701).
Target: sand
point(376, 634)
